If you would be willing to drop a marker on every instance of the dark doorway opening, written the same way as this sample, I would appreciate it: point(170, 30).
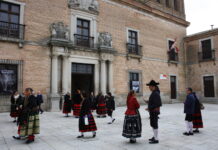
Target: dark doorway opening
point(82, 77)
point(173, 87)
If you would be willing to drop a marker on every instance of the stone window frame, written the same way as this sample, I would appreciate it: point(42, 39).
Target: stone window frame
point(22, 6)
point(170, 39)
point(76, 14)
point(214, 82)
point(19, 64)
point(177, 85)
point(135, 30)
point(140, 72)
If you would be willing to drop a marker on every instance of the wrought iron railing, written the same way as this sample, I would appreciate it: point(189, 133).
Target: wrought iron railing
point(12, 30)
point(84, 41)
point(134, 49)
point(206, 55)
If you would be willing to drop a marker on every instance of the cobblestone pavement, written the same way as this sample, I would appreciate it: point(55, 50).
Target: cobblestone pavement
point(59, 133)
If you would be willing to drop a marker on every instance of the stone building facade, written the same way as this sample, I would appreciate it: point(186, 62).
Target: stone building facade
point(201, 68)
point(57, 46)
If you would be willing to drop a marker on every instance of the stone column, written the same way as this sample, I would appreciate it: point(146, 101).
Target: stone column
point(65, 75)
point(54, 76)
point(111, 77)
point(103, 77)
point(96, 79)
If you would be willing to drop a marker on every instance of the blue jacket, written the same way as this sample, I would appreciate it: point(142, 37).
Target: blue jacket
point(189, 104)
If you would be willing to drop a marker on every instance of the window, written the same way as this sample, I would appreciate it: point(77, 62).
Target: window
point(82, 36)
point(168, 3)
point(173, 86)
point(206, 49)
point(172, 54)
point(134, 80)
point(82, 68)
point(9, 19)
point(132, 45)
point(8, 79)
point(176, 5)
point(209, 90)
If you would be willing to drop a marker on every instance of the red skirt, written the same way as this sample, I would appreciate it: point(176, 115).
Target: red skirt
point(76, 110)
point(87, 128)
point(66, 108)
point(197, 120)
point(14, 114)
point(101, 110)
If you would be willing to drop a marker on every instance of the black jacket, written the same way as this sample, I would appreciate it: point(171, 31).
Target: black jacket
point(154, 101)
point(189, 105)
point(85, 108)
point(77, 99)
point(110, 103)
point(39, 99)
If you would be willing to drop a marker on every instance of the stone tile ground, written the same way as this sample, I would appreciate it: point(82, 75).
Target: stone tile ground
point(59, 133)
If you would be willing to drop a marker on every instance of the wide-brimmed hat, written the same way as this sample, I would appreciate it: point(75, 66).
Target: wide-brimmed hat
point(152, 83)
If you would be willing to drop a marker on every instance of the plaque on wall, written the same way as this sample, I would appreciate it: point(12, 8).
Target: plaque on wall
point(8, 79)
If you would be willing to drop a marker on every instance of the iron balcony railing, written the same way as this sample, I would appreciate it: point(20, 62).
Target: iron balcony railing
point(206, 55)
point(134, 49)
point(84, 41)
point(173, 56)
point(12, 30)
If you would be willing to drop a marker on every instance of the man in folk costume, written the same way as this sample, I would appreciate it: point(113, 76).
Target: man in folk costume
point(77, 99)
point(189, 109)
point(154, 105)
point(86, 119)
point(110, 103)
point(67, 104)
point(29, 119)
point(101, 106)
point(197, 117)
point(16, 102)
point(132, 126)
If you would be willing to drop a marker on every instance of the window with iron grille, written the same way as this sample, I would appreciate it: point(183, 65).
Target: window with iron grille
point(8, 78)
point(206, 49)
point(134, 80)
point(9, 19)
point(209, 90)
point(132, 45)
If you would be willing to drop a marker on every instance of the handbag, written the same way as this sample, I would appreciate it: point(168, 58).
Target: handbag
point(86, 120)
point(202, 106)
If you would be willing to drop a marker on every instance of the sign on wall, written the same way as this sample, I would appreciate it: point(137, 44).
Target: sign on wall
point(163, 77)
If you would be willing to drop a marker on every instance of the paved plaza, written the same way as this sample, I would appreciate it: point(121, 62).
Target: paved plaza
point(59, 133)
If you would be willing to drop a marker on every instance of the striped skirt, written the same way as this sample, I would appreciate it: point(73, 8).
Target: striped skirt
point(132, 126)
point(197, 120)
point(91, 126)
point(101, 110)
point(31, 127)
point(67, 108)
point(76, 110)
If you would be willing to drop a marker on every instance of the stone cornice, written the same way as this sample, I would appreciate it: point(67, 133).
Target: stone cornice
point(201, 35)
point(146, 8)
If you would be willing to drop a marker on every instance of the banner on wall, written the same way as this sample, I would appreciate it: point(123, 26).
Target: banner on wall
point(163, 77)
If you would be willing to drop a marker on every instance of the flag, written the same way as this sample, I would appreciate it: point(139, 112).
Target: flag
point(174, 47)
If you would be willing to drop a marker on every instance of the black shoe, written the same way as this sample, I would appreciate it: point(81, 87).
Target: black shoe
point(94, 135)
point(16, 137)
point(15, 121)
point(81, 136)
point(132, 141)
point(186, 133)
point(196, 131)
point(98, 116)
point(154, 142)
point(152, 139)
point(29, 141)
point(42, 112)
point(109, 123)
point(113, 120)
point(191, 133)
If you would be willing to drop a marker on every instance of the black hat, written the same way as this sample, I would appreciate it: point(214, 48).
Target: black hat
point(152, 83)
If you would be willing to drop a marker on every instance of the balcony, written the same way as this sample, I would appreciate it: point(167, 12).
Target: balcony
point(84, 41)
point(173, 57)
point(206, 56)
point(11, 31)
point(134, 49)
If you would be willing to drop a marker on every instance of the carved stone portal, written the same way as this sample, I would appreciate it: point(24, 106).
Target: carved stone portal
point(105, 40)
point(88, 5)
point(59, 31)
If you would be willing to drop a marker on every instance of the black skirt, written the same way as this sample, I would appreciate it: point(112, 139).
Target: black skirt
point(132, 126)
point(90, 127)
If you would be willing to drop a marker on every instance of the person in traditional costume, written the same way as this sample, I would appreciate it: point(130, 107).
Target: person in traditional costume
point(16, 101)
point(67, 104)
point(77, 99)
point(132, 126)
point(197, 117)
point(110, 103)
point(101, 106)
point(39, 98)
point(154, 105)
point(189, 110)
point(86, 119)
point(28, 122)
point(93, 101)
